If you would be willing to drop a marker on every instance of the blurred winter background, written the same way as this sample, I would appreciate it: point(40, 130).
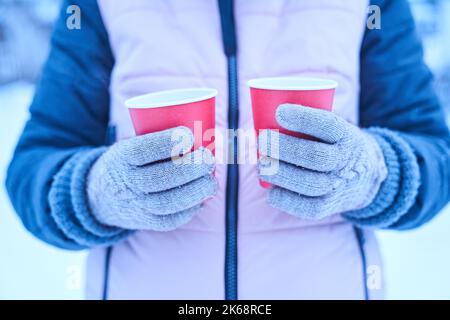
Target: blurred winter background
point(417, 263)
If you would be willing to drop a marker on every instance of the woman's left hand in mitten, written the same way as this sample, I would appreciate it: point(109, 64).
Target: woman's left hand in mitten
point(340, 170)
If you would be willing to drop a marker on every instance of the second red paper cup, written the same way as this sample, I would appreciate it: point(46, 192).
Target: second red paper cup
point(193, 108)
point(267, 94)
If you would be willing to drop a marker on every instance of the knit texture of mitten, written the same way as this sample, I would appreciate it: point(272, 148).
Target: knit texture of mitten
point(315, 179)
point(141, 184)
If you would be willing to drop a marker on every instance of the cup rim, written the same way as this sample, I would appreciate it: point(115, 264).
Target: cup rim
point(167, 98)
point(292, 83)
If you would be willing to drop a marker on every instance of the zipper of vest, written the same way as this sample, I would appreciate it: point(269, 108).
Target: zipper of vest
point(231, 204)
point(231, 250)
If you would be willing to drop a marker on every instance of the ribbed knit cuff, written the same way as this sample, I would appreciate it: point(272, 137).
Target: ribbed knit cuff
point(388, 189)
point(79, 197)
point(398, 192)
point(69, 206)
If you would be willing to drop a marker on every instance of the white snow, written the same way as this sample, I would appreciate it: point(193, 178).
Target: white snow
point(29, 268)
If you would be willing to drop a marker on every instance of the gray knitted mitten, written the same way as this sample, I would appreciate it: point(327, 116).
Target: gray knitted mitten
point(315, 179)
point(141, 184)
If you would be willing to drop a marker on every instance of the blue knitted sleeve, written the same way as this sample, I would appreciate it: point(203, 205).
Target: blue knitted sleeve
point(397, 95)
point(64, 135)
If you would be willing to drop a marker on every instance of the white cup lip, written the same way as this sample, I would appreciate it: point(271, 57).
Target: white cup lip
point(292, 83)
point(168, 98)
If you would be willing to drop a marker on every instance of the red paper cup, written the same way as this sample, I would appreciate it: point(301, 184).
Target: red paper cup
point(268, 93)
point(193, 108)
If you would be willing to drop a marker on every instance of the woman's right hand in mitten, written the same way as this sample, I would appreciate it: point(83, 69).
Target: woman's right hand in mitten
point(142, 184)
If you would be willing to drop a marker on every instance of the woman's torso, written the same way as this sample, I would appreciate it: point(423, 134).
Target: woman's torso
point(170, 44)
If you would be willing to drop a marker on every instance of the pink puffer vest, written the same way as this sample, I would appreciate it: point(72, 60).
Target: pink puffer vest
point(167, 44)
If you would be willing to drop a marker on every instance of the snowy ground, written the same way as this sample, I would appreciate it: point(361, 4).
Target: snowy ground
point(29, 269)
point(417, 264)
